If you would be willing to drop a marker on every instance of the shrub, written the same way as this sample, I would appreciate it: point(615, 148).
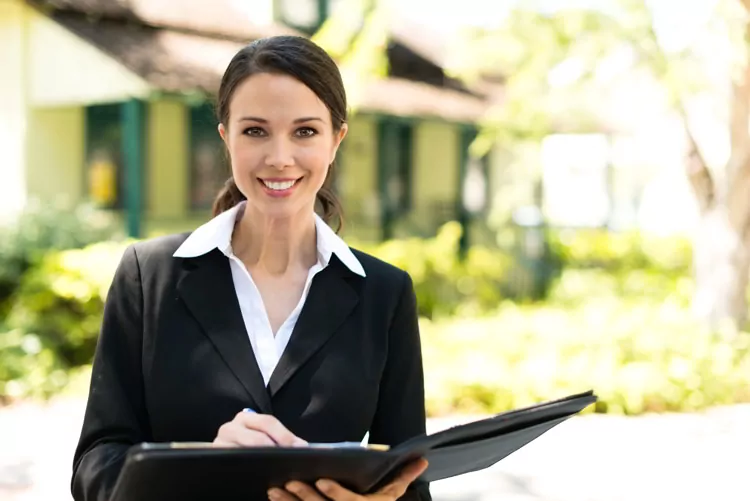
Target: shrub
point(60, 301)
point(27, 367)
point(42, 228)
point(446, 284)
point(598, 248)
point(638, 354)
point(624, 332)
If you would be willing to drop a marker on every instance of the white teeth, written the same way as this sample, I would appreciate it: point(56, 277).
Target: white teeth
point(279, 186)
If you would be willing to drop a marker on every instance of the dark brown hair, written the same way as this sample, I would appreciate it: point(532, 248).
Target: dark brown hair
point(302, 59)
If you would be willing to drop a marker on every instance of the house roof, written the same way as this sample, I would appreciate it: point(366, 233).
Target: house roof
point(217, 18)
point(188, 49)
point(169, 60)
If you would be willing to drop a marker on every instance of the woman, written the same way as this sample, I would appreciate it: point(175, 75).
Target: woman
point(264, 307)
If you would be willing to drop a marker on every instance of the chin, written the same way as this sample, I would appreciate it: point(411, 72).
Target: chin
point(280, 209)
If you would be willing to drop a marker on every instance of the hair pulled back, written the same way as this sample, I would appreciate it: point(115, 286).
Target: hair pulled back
point(299, 58)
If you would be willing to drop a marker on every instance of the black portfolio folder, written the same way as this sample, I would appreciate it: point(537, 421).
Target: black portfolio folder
point(192, 472)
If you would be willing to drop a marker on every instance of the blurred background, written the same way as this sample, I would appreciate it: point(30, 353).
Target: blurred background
point(568, 183)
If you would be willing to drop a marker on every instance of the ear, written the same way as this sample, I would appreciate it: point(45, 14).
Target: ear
point(222, 132)
point(338, 139)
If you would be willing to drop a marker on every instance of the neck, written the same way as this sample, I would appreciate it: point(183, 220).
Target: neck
point(276, 246)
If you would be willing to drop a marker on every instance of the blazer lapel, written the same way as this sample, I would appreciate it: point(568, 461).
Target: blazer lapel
point(207, 289)
point(330, 301)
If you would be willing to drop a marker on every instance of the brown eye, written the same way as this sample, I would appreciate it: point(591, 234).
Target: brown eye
point(306, 132)
point(254, 131)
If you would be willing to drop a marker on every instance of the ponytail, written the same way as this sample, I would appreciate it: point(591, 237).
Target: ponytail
point(327, 203)
point(228, 197)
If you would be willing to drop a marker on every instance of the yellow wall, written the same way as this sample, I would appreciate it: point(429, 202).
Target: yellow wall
point(12, 107)
point(167, 166)
point(358, 181)
point(435, 177)
point(55, 154)
point(65, 70)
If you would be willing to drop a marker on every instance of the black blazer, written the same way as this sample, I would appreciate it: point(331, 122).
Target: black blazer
point(174, 362)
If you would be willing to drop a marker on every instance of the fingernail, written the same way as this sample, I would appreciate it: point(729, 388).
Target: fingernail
point(248, 409)
point(274, 494)
point(299, 443)
point(324, 485)
point(292, 487)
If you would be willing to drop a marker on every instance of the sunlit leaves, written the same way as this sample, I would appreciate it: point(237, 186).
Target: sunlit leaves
point(356, 35)
point(561, 63)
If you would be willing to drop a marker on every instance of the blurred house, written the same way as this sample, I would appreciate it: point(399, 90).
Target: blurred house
point(111, 101)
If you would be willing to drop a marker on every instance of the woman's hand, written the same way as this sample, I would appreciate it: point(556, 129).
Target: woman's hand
point(296, 491)
point(249, 429)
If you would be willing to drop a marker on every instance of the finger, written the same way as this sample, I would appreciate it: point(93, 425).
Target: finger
point(334, 490)
point(251, 438)
point(304, 491)
point(409, 474)
point(220, 442)
point(272, 427)
point(276, 494)
point(236, 435)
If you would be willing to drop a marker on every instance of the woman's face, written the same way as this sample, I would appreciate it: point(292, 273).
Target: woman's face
point(281, 141)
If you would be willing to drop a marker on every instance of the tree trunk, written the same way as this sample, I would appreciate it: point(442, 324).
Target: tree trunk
point(722, 241)
point(722, 269)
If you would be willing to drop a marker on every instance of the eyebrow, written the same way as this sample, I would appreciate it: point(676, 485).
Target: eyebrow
point(297, 121)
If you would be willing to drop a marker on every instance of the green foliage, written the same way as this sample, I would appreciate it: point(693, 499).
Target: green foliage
point(639, 353)
point(27, 367)
point(445, 284)
point(622, 251)
point(53, 321)
point(61, 300)
point(356, 36)
point(530, 49)
point(42, 228)
point(613, 321)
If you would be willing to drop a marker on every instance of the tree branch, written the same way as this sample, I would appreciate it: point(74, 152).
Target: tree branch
point(738, 200)
point(696, 168)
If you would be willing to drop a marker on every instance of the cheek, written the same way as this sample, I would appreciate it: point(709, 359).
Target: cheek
point(243, 158)
point(313, 159)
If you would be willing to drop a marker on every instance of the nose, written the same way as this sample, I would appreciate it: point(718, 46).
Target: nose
point(280, 153)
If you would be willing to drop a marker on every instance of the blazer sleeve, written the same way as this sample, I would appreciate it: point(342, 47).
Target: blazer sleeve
point(115, 416)
point(400, 413)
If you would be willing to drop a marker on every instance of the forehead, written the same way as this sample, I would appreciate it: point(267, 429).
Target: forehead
point(275, 97)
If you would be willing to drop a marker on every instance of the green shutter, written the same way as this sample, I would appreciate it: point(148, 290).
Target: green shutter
point(395, 171)
point(209, 168)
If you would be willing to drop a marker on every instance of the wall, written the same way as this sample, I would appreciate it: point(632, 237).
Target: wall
point(357, 178)
point(436, 170)
point(167, 168)
point(74, 72)
point(12, 108)
point(55, 154)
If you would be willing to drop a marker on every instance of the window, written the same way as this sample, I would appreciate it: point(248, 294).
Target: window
point(104, 159)
point(395, 144)
point(208, 165)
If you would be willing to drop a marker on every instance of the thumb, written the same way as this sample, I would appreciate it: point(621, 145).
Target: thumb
point(409, 474)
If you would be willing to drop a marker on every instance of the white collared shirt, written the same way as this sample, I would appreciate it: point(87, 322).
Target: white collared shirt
point(217, 234)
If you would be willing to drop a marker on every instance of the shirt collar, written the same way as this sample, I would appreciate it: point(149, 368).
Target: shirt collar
point(217, 234)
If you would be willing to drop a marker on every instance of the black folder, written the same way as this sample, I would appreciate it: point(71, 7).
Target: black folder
point(192, 472)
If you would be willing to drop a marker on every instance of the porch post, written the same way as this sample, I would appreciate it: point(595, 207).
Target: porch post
point(133, 155)
point(467, 135)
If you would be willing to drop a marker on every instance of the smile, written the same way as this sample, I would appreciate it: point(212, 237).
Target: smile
point(279, 185)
